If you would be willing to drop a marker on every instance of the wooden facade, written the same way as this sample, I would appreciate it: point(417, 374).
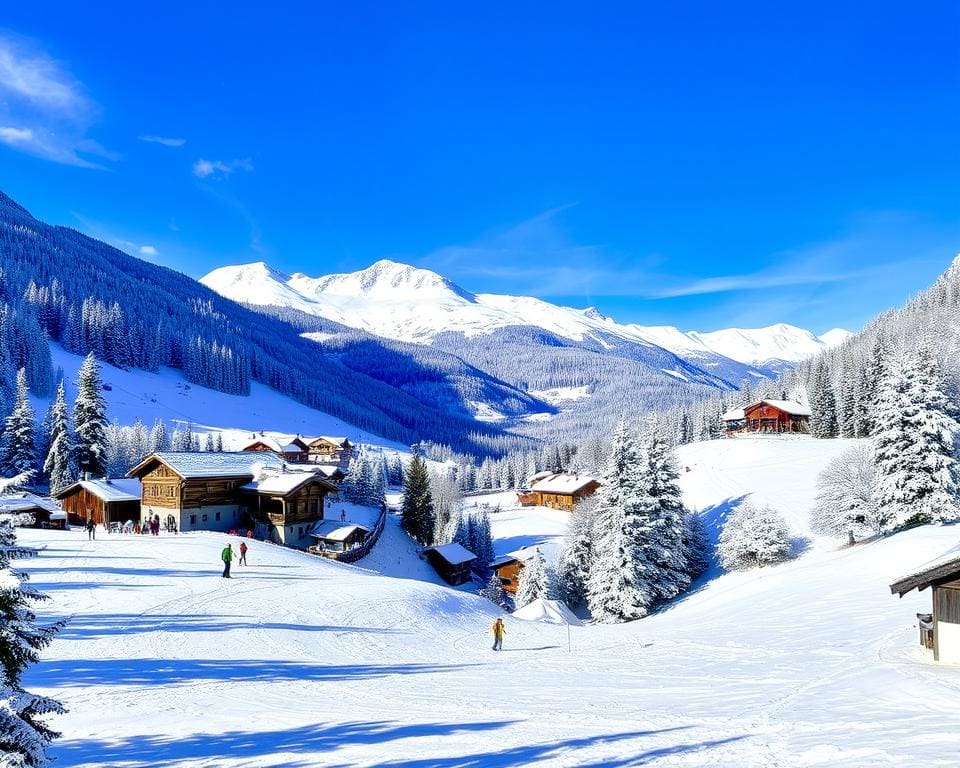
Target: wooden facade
point(45, 512)
point(768, 417)
point(289, 514)
point(93, 500)
point(557, 490)
point(452, 562)
point(330, 450)
point(943, 577)
point(509, 574)
point(294, 450)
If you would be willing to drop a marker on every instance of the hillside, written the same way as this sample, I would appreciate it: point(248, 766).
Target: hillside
point(87, 295)
point(304, 662)
point(530, 344)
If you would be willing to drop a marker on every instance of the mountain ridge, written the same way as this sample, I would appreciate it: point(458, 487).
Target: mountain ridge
point(406, 303)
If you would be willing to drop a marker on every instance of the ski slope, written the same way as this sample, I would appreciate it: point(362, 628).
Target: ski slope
point(134, 394)
point(299, 661)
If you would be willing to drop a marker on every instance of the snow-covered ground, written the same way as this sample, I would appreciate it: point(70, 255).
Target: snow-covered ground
point(166, 395)
point(300, 661)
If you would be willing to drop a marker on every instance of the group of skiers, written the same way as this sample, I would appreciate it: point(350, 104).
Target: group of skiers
point(227, 556)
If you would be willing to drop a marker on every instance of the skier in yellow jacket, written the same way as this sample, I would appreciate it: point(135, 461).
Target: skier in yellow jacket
point(498, 631)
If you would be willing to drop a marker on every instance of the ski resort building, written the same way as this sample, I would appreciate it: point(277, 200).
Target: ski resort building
point(939, 630)
point(452, 561)
point(334, 537)
point(294, 449)
point(213, 491)
point(104, 500)
point(557, 490)
point(289, 503)
point(768, 416)
point(329, 450)
point(46, 514)
point(509, 566)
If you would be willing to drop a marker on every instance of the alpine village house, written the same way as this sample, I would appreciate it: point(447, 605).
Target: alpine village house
point(768, 416)
point(216, 491)
point(556, 490)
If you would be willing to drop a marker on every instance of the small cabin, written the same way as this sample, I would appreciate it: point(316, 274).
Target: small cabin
point(939, 630)
point(768, 417)
point(334, 537)
point(293, 449)
point(509, 566)
point(45, 513)
point(103, 500)
point(290, 503)
point(452, 561)
point(557, 490)
point(329, 450)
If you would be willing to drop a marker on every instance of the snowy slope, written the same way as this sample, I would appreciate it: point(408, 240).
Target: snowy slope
point(302, 662)
point(402, 302)
point(166, 395)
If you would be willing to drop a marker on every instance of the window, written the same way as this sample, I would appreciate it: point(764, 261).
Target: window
point(193, 519)
point(203, 518)
point(217, 516)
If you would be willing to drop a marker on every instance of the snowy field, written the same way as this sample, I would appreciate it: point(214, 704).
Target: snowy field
point(303, 662)
point(166, 395)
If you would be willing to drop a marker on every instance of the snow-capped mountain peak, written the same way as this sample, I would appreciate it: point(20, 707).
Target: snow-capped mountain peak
point(835, 337)
point(407, 303)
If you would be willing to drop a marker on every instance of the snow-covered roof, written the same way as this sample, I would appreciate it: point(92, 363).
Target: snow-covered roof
point(787, 406)
point(113, 489)
point(278, 443)
point(562, 482)
point(283, 483)
point(193, 464)
point(454, 553)
point(25, 501)
point(338, 441)
point(520, 555)
point(327, 470)
point(334, 530)
point(944, 566)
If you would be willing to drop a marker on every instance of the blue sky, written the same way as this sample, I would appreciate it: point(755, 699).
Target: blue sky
point(703, 166)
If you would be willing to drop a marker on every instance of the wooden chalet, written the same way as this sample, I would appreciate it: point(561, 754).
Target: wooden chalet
point(329, 450)
point(104, 500)
point(294, 449)
point(44, 511)
point(290, 503)
point(452, 561)
point(557, 490)
point(509, 566)
point(939, 630)
point(768, 417)
point(334, 537)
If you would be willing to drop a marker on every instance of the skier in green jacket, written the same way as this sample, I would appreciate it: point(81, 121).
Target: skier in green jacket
point(227, 557)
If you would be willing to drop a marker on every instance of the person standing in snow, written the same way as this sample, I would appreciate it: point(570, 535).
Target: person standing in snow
point(498, 632)
point(243, 553)
point(91, 529)
point(227, 556)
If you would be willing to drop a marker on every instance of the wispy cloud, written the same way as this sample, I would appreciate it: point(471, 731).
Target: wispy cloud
point(148, 250)
point(212, 169)
point(167, 142)
point(44, 110)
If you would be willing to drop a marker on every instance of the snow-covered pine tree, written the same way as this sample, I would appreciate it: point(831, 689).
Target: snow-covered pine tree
point(417, 509)
point(494, 591)
point(664, 518)
point(845, 503)
point(23, 734)
point(445, 493)
point(218, 442)
point(536, 581)
point(481, 539)
point(875, 373)
point(752, 537)
point(697, 544)
point(57, 466)
point(616, 586)
point(90, 419)
point(914, 444)
point(396, 470)
point(573, 565)
point(823, 403)
point(208, 444)
point(158, 437)
point(18, 448)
